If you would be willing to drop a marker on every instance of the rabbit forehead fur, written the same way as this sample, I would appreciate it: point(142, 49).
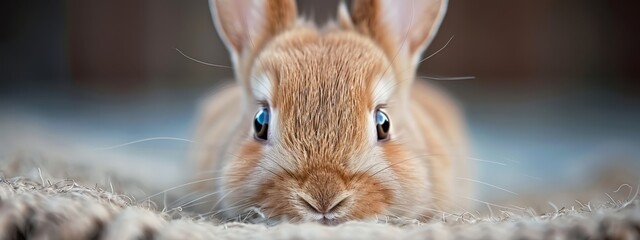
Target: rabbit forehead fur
point(321, 89)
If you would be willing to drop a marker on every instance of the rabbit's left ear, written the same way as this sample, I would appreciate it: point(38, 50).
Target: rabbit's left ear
point(400, 26)
point(245, 25)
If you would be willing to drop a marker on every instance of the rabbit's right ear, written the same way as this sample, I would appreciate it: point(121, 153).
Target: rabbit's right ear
point(245, 25)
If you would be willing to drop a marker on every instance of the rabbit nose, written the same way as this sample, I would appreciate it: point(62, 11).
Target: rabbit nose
point(323, 206)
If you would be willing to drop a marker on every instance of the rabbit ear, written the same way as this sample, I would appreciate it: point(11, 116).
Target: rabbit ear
point(245, 25)
point(400, 26)
point(344, 18)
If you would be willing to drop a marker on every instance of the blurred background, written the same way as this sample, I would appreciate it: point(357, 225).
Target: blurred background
point(555, 103)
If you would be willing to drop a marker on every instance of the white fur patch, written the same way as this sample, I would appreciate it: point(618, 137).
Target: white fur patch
point(383, 89)
point(261, 87)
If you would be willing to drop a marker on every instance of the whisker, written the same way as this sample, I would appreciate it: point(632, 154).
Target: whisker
point(253, 211)
point(202, 62)
point(281, 167)
point(487, 184)
point(436, 52)
point(448, 78)
point(387, 167)
point(176, 187)
point(224, 172)
point(361, 163)
point(222, 198)
point(193, 204)
point(213, 213)
point(142, 140)
point(269, 170)
point(487, 161)
point(367, 170)
point(182, 199)
point(460, 207)
point(201, 203)
point(263, 167)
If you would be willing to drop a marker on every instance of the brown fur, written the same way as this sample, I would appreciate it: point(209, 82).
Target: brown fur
point(323, 86)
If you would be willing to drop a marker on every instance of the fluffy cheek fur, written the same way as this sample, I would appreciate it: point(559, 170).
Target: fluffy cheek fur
point(412, 188)
point(239, 183)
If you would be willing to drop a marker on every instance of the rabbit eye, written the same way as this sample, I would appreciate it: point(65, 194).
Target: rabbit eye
point(382, 125)
point(261, 124)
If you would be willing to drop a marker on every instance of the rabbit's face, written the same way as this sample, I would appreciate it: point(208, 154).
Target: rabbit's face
point(322, 138)
point(327, 107)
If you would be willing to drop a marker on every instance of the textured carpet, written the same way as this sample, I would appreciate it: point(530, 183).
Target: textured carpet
point(35, 206)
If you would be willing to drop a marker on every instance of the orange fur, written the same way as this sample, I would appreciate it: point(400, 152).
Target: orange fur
point(322, 161)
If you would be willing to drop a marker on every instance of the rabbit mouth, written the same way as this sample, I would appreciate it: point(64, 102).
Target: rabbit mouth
point(329, 222)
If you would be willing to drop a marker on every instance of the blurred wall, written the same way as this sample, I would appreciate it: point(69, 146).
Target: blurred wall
point(123, 47)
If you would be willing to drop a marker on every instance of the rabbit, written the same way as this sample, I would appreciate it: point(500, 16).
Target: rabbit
point(327, 124)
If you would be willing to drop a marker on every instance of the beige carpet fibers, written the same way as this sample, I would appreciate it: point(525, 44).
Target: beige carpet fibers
point(36, 205)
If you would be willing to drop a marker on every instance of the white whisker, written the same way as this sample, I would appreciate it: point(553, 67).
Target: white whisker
point(487, 184)
point(436, 52)
point(448, 78)
point(201, 62)
point(179, 186)
point(143, 140)
point(187, 204)
point(182, 200)
point(488, 161)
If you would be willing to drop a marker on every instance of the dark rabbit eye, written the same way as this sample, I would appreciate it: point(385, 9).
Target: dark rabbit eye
point(382, 125)
point(261, 124)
